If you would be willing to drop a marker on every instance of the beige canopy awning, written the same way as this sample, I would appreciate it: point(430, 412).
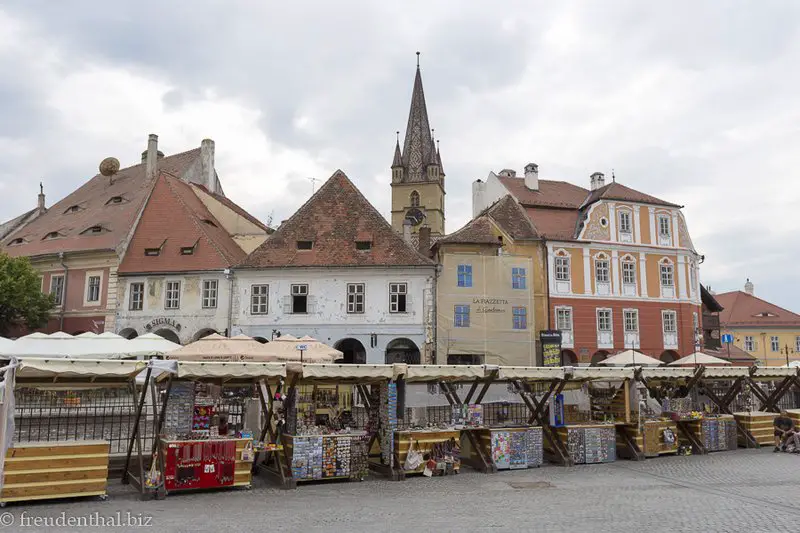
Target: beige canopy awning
point(530, 373)
point(630, 357)
point(724, 373)
point(442, 372)
point(72, 370)
point(587, 373)
point(667, 373)
point(342, 372)
point(699, 358)
point(234, 370)
point(773, 372)
point(285, 348)
point(215, 347)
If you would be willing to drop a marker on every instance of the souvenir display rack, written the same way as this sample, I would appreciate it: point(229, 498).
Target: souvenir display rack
point(63, 467)
point(509, 448)
point(197, 447)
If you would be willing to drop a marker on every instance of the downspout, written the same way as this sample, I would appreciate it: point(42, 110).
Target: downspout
point(229, 275)
point(547, 295)
point(64, 291)
point(435, 313)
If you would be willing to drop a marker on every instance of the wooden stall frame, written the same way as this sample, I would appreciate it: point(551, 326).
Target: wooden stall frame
point(769, 403)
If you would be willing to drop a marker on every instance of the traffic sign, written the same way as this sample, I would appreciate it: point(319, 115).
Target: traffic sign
point(302, 347)
point(727, 339)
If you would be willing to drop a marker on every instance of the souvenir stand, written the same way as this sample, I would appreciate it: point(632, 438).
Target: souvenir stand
point(664, 388)
point(334, 414)
point(767, 386)
point(197, 445)
point(428, 439)
point(71, 458)
point(586, 415)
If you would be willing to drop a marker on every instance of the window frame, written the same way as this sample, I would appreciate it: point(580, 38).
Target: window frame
point(628, 227)
point(634, 315)
point(519, 318)
point(519, 278)
point(563, 269)
point(413, 199)
point(167, 292)
point(602, 265)
point(132, 293)
point(60, 300)
point(461, 316)
point(398, 289)
point(749, 340)
point(610, 318)
point(299, 293)
point(632, 271)
point(356, 298)
point(206, 300)
point(89, 287)
point(563, 313)
point(664, 221)
point(259, 299)
point(775, 343)
point(464, 275)
point(668, 274)
point(669, 317)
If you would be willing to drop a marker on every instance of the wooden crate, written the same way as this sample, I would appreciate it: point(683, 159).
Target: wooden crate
point(423, 441)
point(794, 414)
point(759, 424)
point(653, 437)
point(60, 469)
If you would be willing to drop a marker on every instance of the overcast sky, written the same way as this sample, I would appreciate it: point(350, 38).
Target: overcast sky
point(696, 102)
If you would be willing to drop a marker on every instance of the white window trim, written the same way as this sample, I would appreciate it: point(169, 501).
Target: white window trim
point(63, 296)
point(772, 343)
point(252, 294)
point(625, 324)
point(751, 341)
point(393, 293)
point(664, 315)
point(610, 318)
point(625, 211)
point(130, 294)
point(571, 317)
point(659, 218)
point(203, 296)
point(90, 274)
point(363, 294)
point(166, 293)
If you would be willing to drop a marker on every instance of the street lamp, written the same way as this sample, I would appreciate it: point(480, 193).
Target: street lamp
point(786, 351)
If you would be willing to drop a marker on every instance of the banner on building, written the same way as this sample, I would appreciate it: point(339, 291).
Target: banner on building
point(550, 341)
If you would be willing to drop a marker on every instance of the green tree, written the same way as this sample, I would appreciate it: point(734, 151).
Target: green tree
point(21, 298)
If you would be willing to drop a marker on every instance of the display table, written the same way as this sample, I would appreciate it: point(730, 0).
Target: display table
point(60, 469)
point(326, 457)
point(759, 424)
point(205, 464)
point(654, 442)
point(588, 443)
point(708, 434)
point(506, 448)
point(424, 441)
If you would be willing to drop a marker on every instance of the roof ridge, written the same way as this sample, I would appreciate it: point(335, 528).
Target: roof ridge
point(164, 157)
point(740, 293)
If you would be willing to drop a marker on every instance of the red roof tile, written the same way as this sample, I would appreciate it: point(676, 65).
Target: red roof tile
point(556, 224)
point(93, 208)
point(512, 219)
point(235, 207)
point(333, 219)
point(476, 231)
point(175, 218)
point(742, 310)
point(617, 191)
point(550, 193)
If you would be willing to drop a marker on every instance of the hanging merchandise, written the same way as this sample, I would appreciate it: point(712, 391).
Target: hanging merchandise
point(519, 450)
point(152, 479)
point(413, 458)
point(247, 453)
point(501, 448)
point(535, 446)
point(180, 409)
point(669, 436)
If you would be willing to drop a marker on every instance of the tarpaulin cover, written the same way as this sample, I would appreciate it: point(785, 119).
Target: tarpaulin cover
point(699, 358)
point(343, 372)
point(32, 367)
point(771, 372)
point(582, 373)
point(730, 372)
point(540, 373)
point(444, 372)
point(203, 370)
point(667, 373)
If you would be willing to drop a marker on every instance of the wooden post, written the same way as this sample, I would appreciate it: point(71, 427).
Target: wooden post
point(135, 433)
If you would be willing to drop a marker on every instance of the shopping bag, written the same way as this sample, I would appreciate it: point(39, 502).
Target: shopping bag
point(152, 479)
point(247, 453)
point(413, 458)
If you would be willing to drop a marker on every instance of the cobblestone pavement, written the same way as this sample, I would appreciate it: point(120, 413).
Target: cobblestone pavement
point(744, 490)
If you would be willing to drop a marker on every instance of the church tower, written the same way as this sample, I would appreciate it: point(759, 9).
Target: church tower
point(417, 173)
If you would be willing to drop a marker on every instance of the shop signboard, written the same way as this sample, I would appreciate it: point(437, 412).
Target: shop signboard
point(551, 347)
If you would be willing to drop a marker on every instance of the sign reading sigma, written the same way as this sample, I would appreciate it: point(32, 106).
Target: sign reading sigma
point(489, 305)
point(163, 322)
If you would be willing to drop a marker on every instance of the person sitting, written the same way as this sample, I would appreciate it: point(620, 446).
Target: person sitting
point(787, 438)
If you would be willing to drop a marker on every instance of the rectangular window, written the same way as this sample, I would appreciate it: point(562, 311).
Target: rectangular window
point(797, 344)
point(57, 288)
point(601, 271)
point(629, 273)
point(562, 268)
point(363, 245)
point(209, 294)
point(775, 343)
point(355, 298)
point(692, 278)
point(518, 278)
point(259, 299)
point(465, 275)
point(93, 289)
point(305, 245)
point(604, 320)
point(749, 344)
point(669, 321)
point(461, 316)
point(663, 226)
point(173, 295)
point(631, 320)
point(136, 302)
point(397, 297)
point(625, 222)
point(564, 319)
point(520, 317)
point(300, 299)
point(667, 277)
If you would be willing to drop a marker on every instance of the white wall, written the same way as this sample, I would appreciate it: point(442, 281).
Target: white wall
point(486, 192)
point(327, 319)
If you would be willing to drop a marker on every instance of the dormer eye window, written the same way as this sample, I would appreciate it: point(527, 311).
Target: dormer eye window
point(94, 229)
point(17, 241)
point(72, 209)
point(52, 235)
point(209, 222)
point(152, 252)
point(115, 200)
point(187, 250)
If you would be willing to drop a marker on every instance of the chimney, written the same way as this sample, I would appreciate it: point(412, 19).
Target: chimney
point(749, 288)
point(532, 176)
point(407, 231)
point(151, 160)
point(597, 180)
point(478, 197)
point(425, 241)
point(508, 173)
point(208, 175)
point(41, 206)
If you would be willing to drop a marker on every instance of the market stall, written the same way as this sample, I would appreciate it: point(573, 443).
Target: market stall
point(200, 443)
point(70, 458)
point(86, 346)
point(334, 414)
point(770, 385)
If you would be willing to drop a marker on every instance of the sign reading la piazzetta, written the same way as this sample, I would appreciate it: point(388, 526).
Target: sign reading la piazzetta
point(490, 305)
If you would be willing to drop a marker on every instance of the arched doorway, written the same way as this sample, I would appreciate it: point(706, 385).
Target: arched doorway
point(203, 333)
point(353, 350)
point(169, 335)
point(402, 351)
point(669, 356)
point(598, 357)
point(568, 358)
point(262, 340)
point(128, 333)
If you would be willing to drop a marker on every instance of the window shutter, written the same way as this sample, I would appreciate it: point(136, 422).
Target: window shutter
point(408, 302)
point(755, 345)
point(311, 304)
point(287, 305)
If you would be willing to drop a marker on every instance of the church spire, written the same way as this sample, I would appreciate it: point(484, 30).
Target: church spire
point(398, 157)
point(418, 148)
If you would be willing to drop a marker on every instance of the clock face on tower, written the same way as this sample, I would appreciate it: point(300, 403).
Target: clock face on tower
point(415, 216)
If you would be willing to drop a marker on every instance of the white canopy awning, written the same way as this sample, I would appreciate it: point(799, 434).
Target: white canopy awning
point(530, 373)
point(726, 372)
point(86, 346)
point(343, 372)
point(699, 358)
point(442, 372)
point(773, 372)
point(89, 369)
point(667, 373)
point(630, 357)
point(234, 370)
point(585, 373)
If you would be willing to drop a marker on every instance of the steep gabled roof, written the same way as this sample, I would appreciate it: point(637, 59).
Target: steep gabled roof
point(173, 219)
point(550, 194)
point(617, 191)
point(334, 219)
point(709, 301)
point(511, 217)
point(476, 231)
point(91, 205)
point(743, 310)
point(224, 200)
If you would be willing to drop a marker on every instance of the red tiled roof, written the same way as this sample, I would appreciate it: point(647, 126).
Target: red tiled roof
point(234, 207)
point(617, 191)
point(92, 200)
point(550, 193)
point(742, 309)
point(555, 224)
point(476, 231)
point(332, 219)
point(175, 217)
point(512, 219)
point(733, 354)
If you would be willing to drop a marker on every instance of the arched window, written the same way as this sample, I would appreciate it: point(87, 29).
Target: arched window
point(414, 199)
